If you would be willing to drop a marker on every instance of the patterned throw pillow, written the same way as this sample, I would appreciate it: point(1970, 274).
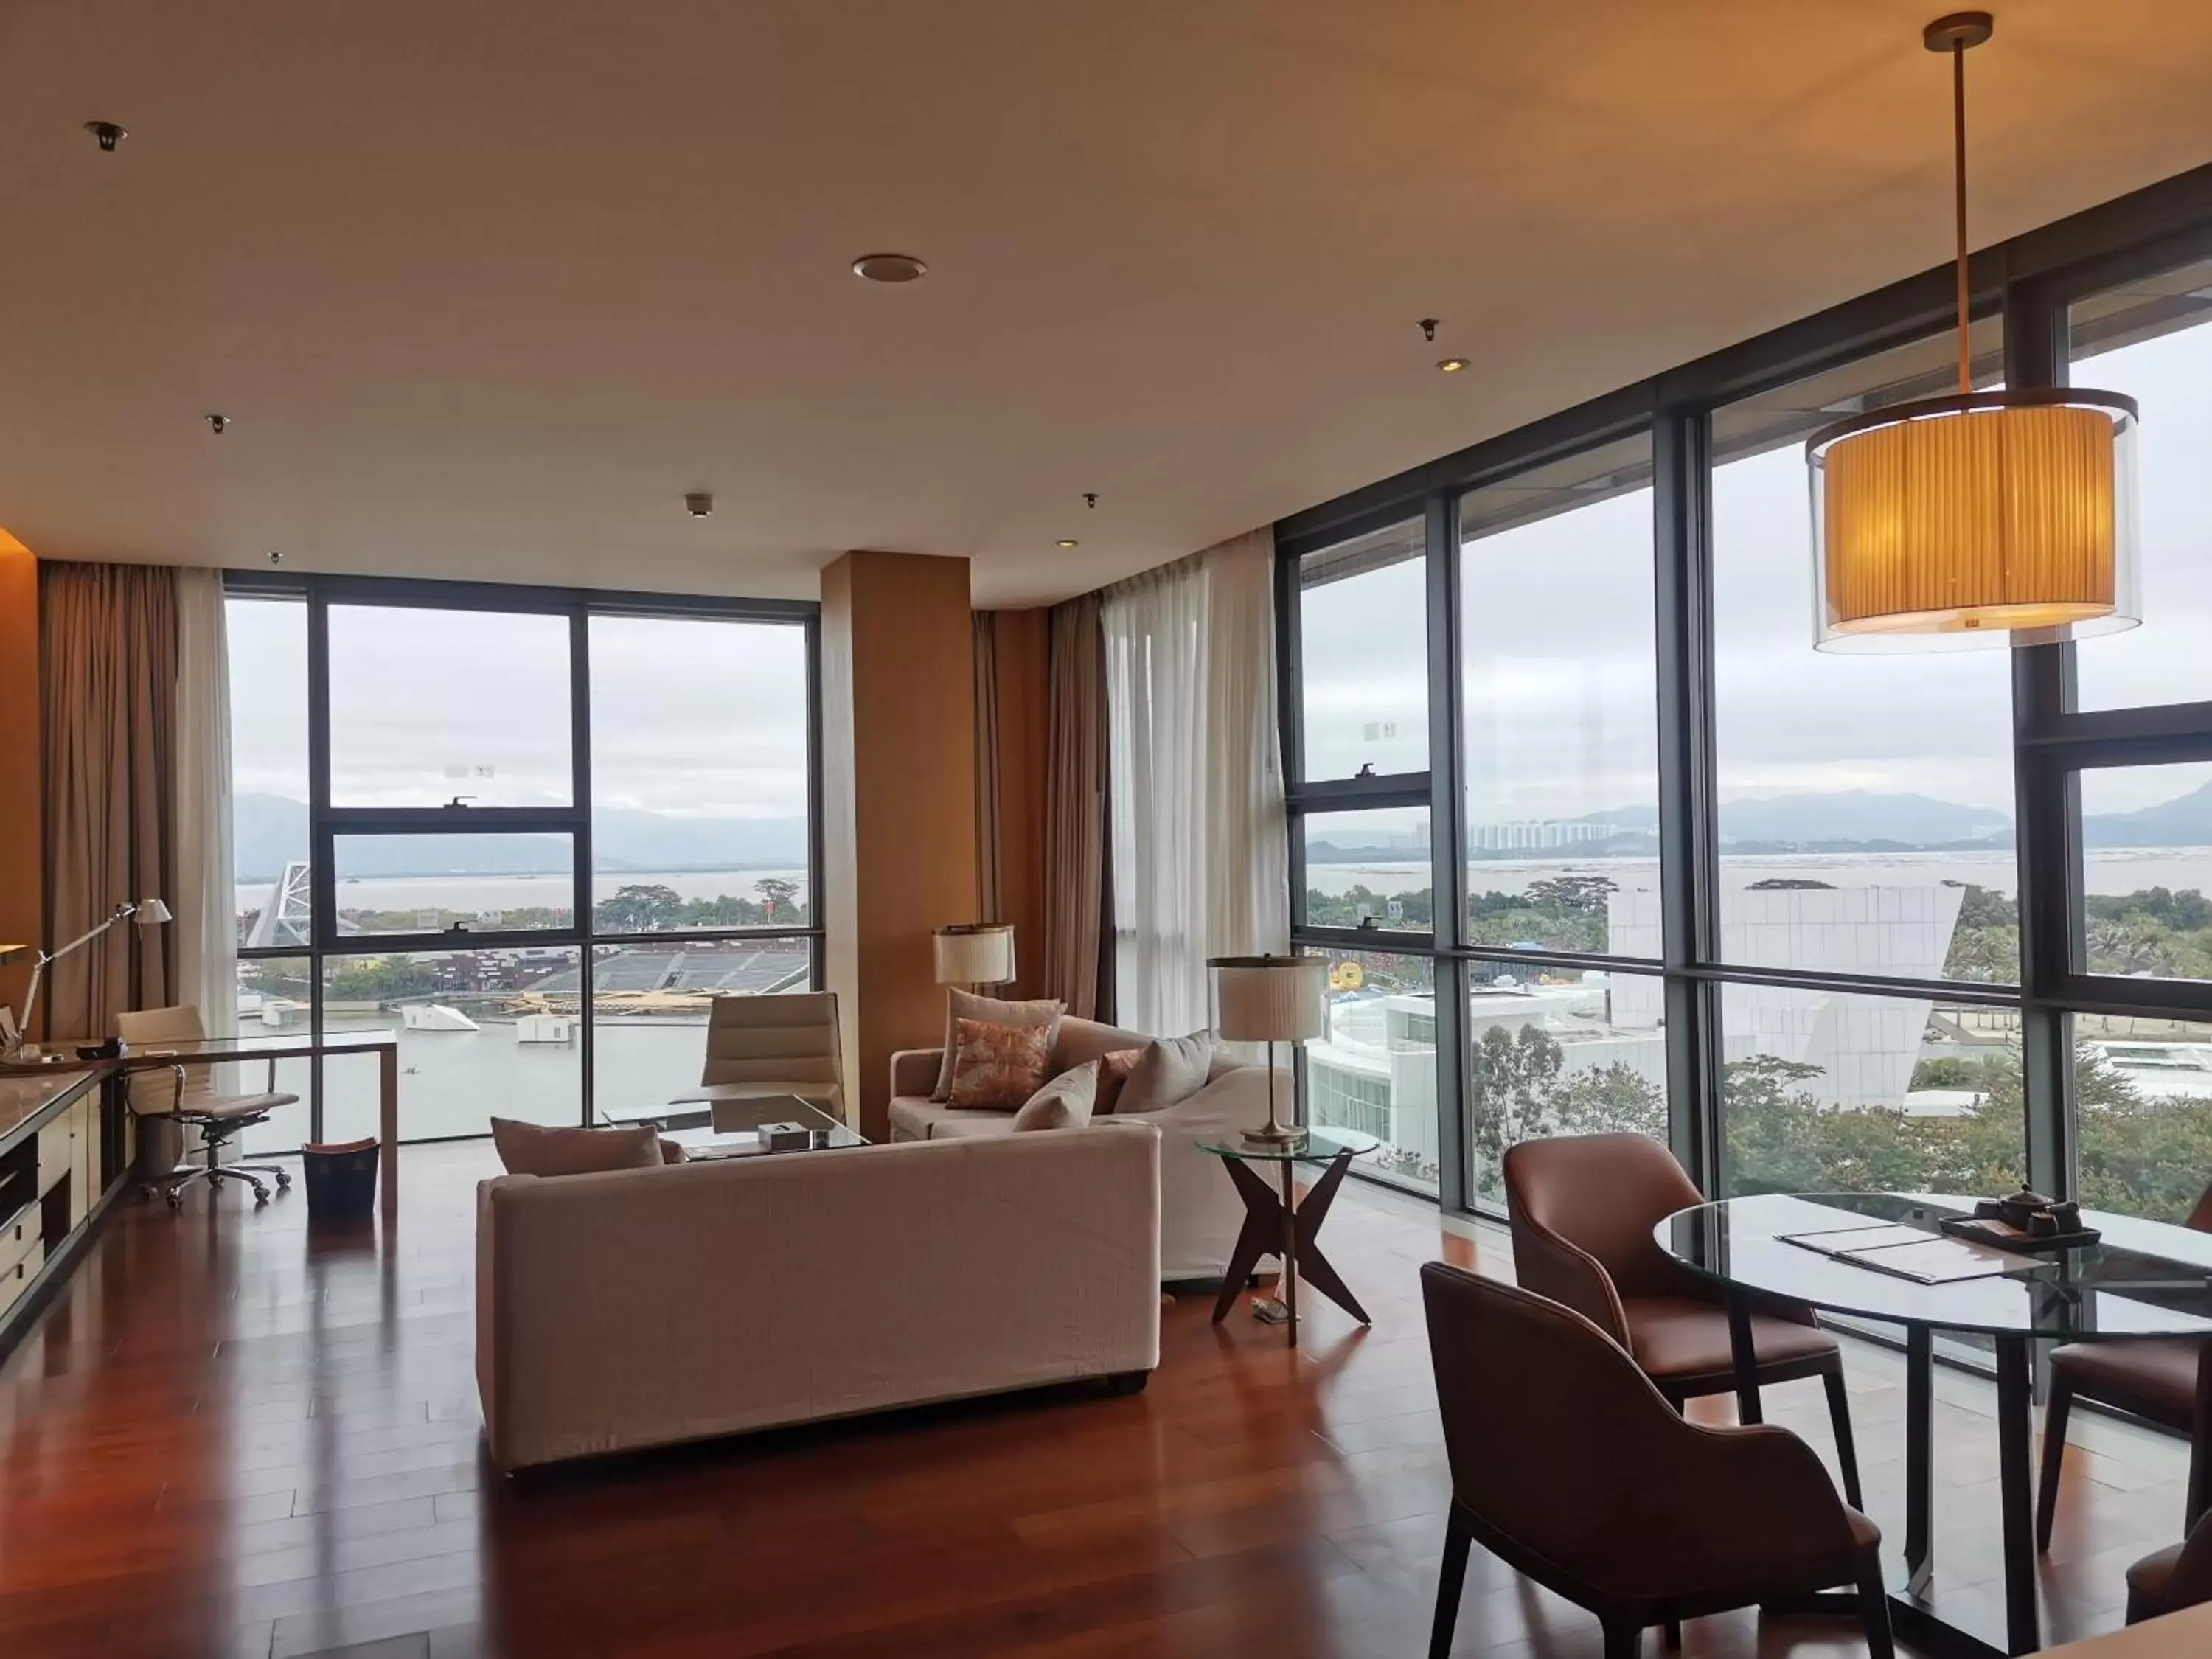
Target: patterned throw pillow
point(1114, 1071)
point(961, 1005)
point(999, 1067)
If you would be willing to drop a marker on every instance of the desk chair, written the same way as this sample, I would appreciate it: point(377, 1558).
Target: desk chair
point(785, 1043)
point(185, 1096)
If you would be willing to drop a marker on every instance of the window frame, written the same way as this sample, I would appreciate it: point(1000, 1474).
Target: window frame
point(2027, 283)
point(325, 822)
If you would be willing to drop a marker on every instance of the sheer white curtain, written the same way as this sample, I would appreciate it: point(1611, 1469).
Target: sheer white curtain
point(1200, 867)
point(205, 930)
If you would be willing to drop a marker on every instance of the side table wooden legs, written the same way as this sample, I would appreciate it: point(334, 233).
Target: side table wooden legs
point(1279, 1225)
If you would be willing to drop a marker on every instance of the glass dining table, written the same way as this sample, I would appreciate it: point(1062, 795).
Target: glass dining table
point(2141, 1278)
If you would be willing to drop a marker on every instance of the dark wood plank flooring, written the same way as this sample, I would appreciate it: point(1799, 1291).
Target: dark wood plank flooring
point(228, 1438)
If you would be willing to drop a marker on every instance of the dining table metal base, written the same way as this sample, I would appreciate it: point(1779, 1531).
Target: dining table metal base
point(1912, 1609)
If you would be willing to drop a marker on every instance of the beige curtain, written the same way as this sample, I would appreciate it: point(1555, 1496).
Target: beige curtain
point(989, 898)
point(107, 660)
point(1075, 813)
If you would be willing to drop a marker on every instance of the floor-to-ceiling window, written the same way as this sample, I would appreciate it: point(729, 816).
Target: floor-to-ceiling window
point(449, 801)
point(1595, 839)
point(2140, 911)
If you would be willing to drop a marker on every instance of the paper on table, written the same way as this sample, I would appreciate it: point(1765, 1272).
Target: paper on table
point(1941, 1261)
point(1842, 1241)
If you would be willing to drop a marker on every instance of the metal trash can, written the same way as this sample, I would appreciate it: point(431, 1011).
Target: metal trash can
point(341, 1180)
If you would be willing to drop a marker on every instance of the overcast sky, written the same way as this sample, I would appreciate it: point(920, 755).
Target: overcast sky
point(693, 718)
point(1559, 670)
point(708, 719)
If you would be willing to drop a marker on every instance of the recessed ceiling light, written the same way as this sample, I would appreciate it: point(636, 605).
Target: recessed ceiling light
point(699, 503)
point(1068, 541)
point(218, 424)
point(106, 133)
point(890, 267)
point(1451, 365)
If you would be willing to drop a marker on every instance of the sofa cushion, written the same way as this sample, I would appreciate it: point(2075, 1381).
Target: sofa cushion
point(1000, 1066)
point(966, 1005)
point(1171, 1070)
point(1063, 1104)
point(1075, 1040)
point(916, 1117)
point(1114, 1071)
point(531, 1149)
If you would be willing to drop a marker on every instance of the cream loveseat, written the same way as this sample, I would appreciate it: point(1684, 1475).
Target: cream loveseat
point(644, 1307)
point(1201, 1214)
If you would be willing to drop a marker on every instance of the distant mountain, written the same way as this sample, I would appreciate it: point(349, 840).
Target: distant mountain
point(1859, 815)
point(268, 831)
point(2186, 821)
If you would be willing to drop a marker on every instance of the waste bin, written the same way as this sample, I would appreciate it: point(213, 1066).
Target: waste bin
point(341, 1180)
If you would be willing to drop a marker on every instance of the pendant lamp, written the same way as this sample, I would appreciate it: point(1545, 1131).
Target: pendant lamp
point(1982, 518)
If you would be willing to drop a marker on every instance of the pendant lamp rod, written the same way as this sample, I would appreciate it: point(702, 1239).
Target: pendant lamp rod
point(1958, 167)
point(1953, 35)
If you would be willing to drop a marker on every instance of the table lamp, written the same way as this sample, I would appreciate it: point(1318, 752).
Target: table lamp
point(1270, 1000)
point(975, 953)
point(147, 912)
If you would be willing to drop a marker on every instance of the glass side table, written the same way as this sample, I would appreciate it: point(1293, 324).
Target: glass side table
point(1278, 1225)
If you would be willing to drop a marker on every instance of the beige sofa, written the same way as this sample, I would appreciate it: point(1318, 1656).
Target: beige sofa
point(1201, 1214)
point(645, 1307)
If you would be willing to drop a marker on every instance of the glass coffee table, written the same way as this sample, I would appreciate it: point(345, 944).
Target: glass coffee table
point(707, 1127)
point(1283, 1226)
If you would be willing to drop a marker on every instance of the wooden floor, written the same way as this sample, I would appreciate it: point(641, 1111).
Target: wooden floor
point(227, 1439)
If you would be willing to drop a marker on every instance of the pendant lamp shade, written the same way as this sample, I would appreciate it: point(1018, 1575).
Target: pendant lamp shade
point(1993, 517)
point(1984, 518)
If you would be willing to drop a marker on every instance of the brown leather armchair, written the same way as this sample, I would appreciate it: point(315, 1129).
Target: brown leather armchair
point(2179, 1576)
point(2167, 1379)
point(1568, 1465)
point(1583, 1208)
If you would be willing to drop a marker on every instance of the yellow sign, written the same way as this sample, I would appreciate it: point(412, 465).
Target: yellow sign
point(1346, 976)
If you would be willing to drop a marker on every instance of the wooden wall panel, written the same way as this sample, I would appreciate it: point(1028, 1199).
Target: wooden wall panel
point(21, 802)
point(898, 753)
point(1023, 694)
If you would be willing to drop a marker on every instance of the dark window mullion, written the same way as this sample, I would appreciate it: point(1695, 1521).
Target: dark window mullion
point(2046, 816)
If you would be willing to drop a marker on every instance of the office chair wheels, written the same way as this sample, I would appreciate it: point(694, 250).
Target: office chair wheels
point(260, 1195)
point(174, 1198)
point(283, 1181)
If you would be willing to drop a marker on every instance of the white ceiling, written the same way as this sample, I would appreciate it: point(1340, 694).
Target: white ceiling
point(486, 287)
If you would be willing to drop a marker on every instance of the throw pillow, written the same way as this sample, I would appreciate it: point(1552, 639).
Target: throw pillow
point(966, 1005)
point(533, 1149)
point(999, 1067)
point(1172, 1069)
point(1114, 1071)
point(1063, 1104)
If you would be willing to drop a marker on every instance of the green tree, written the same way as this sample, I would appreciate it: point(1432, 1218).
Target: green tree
point(638, 908)
point(778, 896)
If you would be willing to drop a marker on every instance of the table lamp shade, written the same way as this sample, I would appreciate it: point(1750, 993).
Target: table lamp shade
point(976, 953)
point(151, 912)
point(1991, 518)
point(1270, 998)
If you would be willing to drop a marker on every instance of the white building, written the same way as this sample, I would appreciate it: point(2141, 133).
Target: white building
point(1376, 1070)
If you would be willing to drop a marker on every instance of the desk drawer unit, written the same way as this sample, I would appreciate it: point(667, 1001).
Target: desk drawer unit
point(19, 1238)
point(58, 1147)
point(14, 1280)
